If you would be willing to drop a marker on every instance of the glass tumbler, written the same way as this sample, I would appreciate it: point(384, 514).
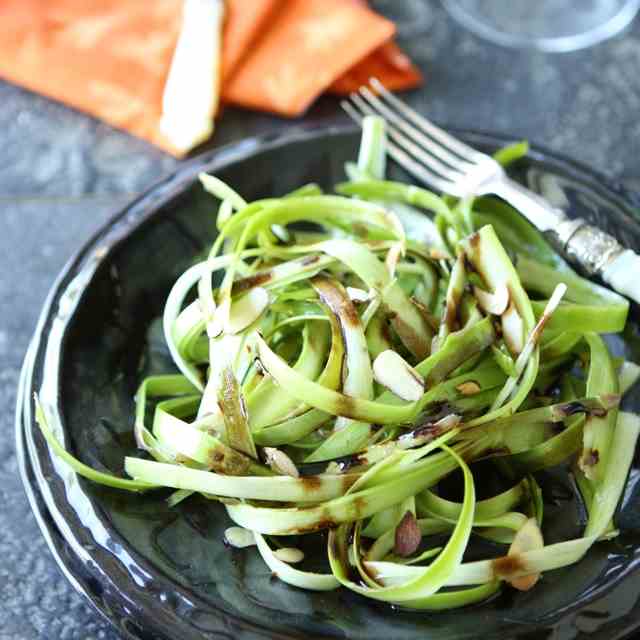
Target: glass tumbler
point(546, 25)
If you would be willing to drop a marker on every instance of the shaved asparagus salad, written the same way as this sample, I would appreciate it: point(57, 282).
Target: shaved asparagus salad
point(339, 356)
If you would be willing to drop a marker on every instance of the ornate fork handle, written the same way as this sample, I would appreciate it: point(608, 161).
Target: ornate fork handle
point(597, 252)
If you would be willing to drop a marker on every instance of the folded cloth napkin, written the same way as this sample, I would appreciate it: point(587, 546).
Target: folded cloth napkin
point(155, 68)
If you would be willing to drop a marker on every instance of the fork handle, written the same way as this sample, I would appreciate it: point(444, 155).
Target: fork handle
point(597, 252)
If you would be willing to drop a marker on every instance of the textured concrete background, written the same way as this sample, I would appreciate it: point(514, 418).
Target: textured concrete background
point(62, 174)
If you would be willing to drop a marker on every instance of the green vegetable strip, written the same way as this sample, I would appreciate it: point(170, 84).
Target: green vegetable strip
point(328, 400)
point(372, 155)
point(222, 191)
point(628, 376)
point(265, 405)
point(295, 577)
point(154, 387)
point(234, 413)
point(185, 441)
point(377, 334)
point(391, 191)
point(277, 488)
point(357, 505)
point(428, 580)
point(550, 557)
point(457, 281)
point(291, 430)
point(489, 258)
point(598, 430)
point(223, 353)
point(405, 318)
point(560, 344)
point(308, 420)
point(608, 492)
point(384, 544)
point(80, 468)
point(429, 503)
point(357, 373)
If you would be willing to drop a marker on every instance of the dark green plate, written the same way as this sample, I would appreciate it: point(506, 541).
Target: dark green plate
point(160, 573)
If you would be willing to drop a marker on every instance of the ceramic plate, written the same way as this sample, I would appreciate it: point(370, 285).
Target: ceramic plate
point(161, 573)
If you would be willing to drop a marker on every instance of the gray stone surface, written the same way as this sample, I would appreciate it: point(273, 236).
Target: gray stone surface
point(63, 173)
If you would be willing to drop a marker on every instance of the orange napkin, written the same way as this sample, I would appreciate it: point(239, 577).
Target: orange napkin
point(316, 40)
point(309, 44)
point(387, 63)
point(111, 58)
point(242, 28)
point(104, 57)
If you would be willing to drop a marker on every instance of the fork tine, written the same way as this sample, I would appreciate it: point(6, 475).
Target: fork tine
point(454, 170)
point(409, 146)
point(429, 144)
point(409, 164)
point(351, 111)
point(420, 172)
point(464, 151)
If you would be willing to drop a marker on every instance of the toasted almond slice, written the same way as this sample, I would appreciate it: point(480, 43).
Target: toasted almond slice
point(280, 232)
point(357, 295)
point(239, 537)
point(438, 254)
point(220, 318)
point(469, 388)
point(428, 432)
point(393, 256)
point(513, 330)
point(408, 536)
point(552, 305)
point(290, 555)
point(225, 210)
point(528, 538)
point(280, 462)
point(448, 422)
point(397, 375)
point(494, 303)
point(247, 309)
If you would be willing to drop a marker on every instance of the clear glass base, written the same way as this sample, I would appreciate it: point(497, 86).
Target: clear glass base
point(547, 25)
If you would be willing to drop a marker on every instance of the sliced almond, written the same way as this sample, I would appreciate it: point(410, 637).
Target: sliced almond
point(527, 538)
point(529, 345)
point(513, 329)
point(280, 462)
point(448, 422)
point(393, 256)
point(280, 232)
point(408, 536)
point(247, 309)
point(290, 555)
point(396, 374)
point(220, 318)
point(357, 295)
point(239, 537)
point(552, 305)
point(225, 211)
point(428, 432)
point(469, 388)
point(494, 303)
point(438, 254)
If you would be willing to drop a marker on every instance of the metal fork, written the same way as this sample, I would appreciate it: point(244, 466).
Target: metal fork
point(447, 164)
